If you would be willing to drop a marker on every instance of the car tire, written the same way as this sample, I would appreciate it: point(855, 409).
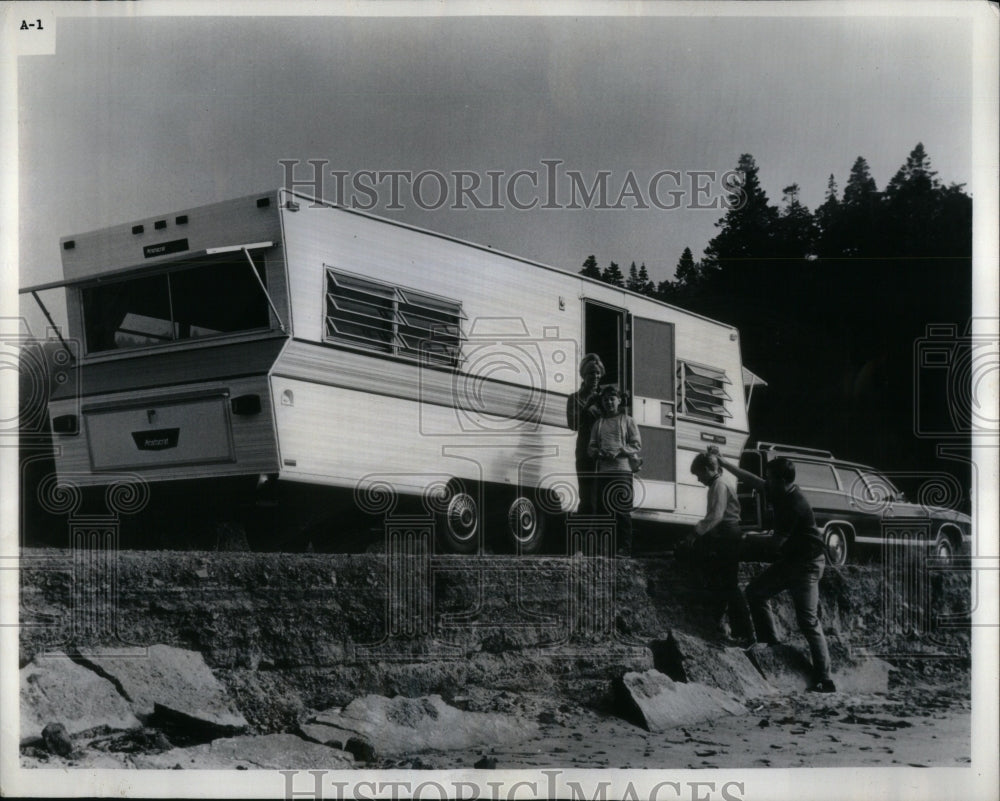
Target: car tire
point(838, 546)
point(944, 548)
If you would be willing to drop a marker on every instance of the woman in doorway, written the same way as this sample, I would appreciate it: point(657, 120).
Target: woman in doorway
point(582, 409)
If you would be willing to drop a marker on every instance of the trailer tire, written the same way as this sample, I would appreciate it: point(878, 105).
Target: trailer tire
point(458, 523)
point(525, 526)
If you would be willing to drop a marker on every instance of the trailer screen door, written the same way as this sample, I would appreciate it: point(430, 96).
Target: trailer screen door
point(653, 403)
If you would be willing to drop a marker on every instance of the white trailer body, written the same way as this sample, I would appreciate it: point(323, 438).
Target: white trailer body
point(275, 337)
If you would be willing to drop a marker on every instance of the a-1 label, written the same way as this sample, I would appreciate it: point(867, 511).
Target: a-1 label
point(34, 36)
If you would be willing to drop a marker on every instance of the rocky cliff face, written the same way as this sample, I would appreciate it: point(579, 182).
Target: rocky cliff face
point(287, 635)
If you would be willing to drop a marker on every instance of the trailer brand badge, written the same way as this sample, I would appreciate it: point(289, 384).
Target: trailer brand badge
point(175, 246)
point(158, 440)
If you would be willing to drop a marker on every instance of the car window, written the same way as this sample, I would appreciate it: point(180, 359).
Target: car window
point(880, 487)
point(815, 476)
point(853, 484)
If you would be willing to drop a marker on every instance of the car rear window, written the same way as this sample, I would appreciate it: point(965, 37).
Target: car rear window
point(852, 483)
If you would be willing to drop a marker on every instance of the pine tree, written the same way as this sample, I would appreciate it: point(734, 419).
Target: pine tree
point(828, 222)
point(633, 283)
point(859, 234)
point(915, 175)
point(860, 185)
point(686, 271)
point(612, 274)
point(738, 260)
point(796, 231)
point(590, 268)
point(747, 230)
point(646, 286)
point(913, 207)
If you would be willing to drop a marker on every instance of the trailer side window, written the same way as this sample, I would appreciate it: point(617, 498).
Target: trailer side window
point(701, 392)
point(393, 320)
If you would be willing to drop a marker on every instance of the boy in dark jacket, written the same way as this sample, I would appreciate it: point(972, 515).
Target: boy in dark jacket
point(798, 568)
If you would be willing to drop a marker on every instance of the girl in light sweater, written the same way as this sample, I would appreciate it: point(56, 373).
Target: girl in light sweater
point(613, 439)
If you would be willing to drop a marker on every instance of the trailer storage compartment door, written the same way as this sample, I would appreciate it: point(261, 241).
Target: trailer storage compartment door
point(653, 405)
point(160, 431)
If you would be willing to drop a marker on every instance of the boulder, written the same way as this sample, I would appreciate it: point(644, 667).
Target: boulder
point(658, 703)
point(264, 752)
point(690, 659)
point(171, 685)
point(394, 726)
point(56, 739)
point(54, 689)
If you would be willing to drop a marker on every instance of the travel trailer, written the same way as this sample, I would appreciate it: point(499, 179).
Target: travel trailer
point(276, 341)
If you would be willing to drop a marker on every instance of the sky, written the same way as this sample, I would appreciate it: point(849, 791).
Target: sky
point(135, 116)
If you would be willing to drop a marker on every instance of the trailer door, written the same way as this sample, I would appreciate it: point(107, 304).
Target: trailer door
point(653, 404)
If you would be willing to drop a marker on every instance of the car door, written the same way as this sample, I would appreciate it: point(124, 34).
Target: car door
point(859, 504)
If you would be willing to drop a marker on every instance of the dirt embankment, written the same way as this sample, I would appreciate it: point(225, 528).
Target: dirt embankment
point(287, 632)
point(543, 638)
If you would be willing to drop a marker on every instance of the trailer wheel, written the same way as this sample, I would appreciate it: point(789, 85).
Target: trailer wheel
point(525, 525)
point(458, 523)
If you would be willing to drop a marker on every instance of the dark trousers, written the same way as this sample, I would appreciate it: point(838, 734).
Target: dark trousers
point(586, 479)
point(718, 553)
point(614, 496)
point(801, 579)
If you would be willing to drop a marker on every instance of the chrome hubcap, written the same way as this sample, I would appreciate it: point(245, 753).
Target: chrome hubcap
point(522, 520)
point(461, 517)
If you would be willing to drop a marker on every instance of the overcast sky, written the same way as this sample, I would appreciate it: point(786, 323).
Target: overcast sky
point(139, 116)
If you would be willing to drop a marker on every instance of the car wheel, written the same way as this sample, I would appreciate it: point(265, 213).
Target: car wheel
point(525, 525)
point(944, 548)
point(837, 544)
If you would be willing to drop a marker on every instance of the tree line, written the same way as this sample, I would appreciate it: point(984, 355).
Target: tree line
point(832, 306)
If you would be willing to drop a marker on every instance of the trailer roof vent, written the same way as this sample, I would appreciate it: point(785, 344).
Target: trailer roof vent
point(263, 202)
point(138, 229)
point(182, 219)
point(159, 225)
point(69, 244)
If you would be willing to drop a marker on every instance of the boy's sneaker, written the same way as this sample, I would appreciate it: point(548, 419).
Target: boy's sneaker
point(823, 686)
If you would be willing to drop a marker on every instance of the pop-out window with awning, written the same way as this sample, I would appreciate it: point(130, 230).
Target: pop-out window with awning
point(701, 392)
point(218, 293)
